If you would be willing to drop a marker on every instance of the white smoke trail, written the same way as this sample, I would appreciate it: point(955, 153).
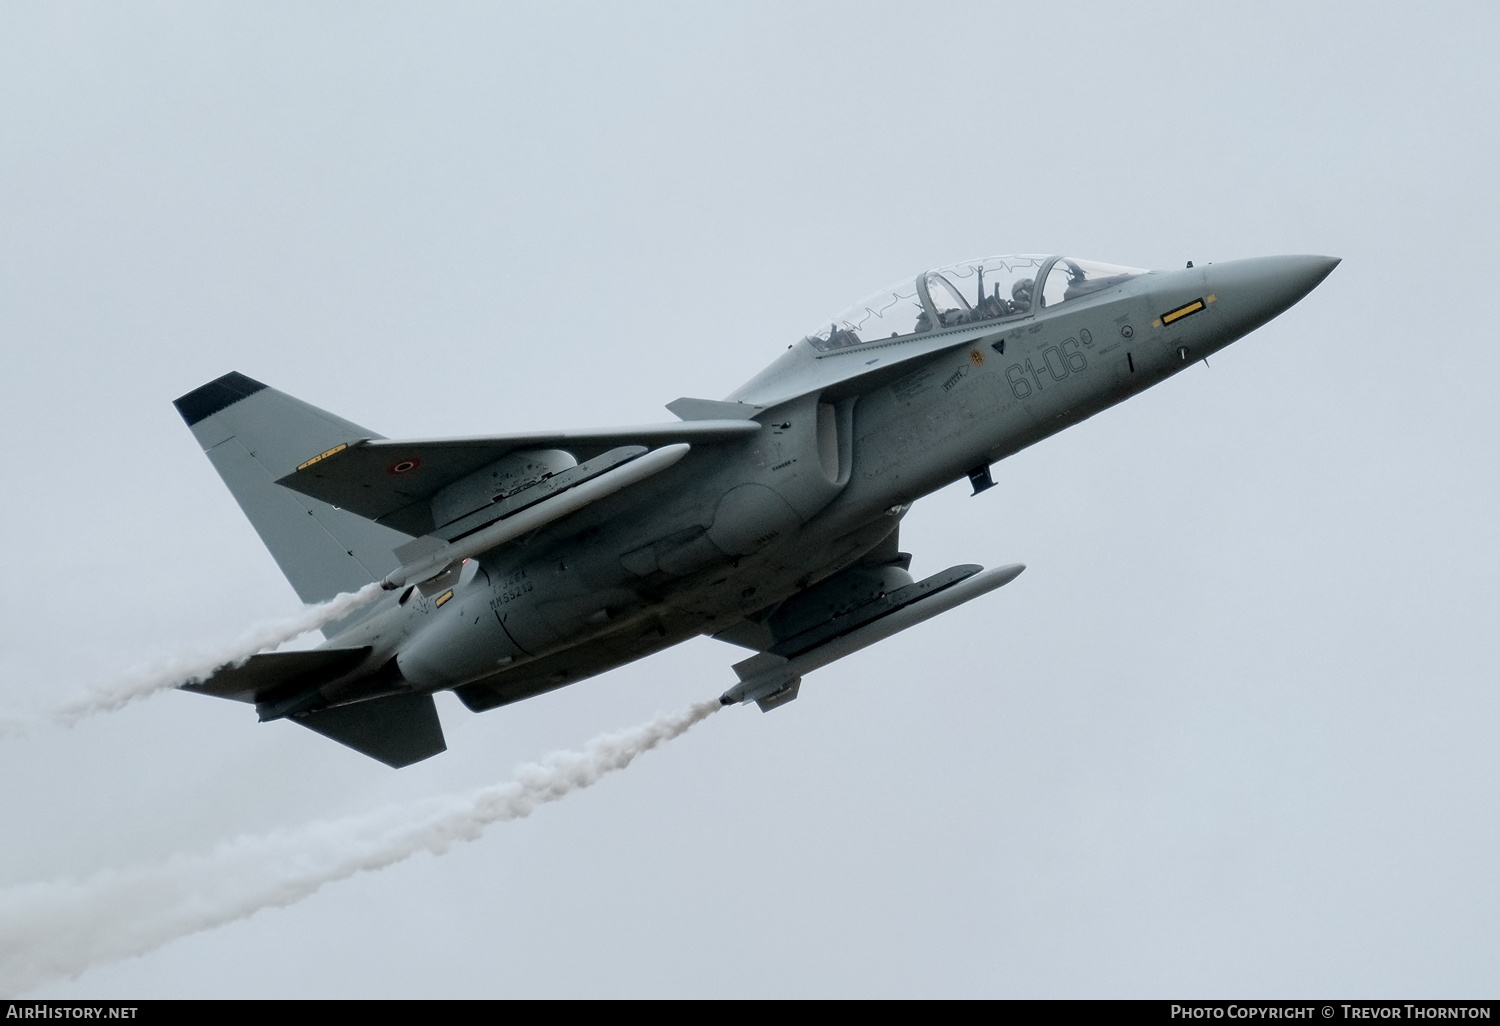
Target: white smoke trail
point(16, 724)
point(162, 676)
point(58, 930)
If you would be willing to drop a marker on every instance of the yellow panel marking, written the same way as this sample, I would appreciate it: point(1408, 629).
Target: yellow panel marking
point(1156, 323)
point(1212, 297)
point(1182, 311)
point(323, 455)
point(444, 597)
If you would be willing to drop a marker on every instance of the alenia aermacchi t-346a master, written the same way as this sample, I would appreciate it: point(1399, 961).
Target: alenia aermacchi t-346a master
point(516, 564)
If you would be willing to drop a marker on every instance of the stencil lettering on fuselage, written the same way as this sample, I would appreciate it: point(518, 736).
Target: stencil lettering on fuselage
point(1049, 365)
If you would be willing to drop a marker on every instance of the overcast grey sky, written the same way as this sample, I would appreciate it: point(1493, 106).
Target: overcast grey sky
point(1233, 733)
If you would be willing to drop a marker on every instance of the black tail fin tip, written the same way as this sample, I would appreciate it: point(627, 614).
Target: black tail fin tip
point(219, 394)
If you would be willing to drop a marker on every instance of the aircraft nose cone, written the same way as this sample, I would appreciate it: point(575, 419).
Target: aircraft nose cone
point(1251, 292)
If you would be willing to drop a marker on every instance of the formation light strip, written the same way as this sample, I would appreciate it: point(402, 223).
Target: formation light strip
point(1183, 311)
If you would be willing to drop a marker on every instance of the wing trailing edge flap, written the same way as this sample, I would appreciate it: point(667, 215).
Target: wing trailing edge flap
point(397, 483)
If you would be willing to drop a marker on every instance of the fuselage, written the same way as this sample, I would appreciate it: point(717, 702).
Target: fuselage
point(854, 429)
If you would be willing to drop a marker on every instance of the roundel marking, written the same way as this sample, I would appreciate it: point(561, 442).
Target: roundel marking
point(405, 466)
point(976, 357)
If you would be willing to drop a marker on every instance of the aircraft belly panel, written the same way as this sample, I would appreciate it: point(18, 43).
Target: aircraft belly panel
point(576, 663)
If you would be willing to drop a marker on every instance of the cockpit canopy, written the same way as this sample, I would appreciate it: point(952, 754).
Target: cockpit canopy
point(995, 288)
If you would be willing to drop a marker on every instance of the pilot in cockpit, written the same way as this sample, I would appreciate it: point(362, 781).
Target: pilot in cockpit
point(1020, 295)
point(992, 306)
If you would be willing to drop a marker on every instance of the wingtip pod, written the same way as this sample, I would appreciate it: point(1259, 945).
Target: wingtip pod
point(1006, 574)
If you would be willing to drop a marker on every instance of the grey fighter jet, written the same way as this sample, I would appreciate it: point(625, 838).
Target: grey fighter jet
point(516, 564)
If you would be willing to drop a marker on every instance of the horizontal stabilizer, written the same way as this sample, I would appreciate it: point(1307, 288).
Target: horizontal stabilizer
point(397, 731)
point(275, 675)
point(379, 478)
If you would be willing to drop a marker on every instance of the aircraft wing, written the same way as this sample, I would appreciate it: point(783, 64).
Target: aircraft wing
point(392, 482)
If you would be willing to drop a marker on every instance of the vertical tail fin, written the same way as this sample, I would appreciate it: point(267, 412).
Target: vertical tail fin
point(253, 435)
